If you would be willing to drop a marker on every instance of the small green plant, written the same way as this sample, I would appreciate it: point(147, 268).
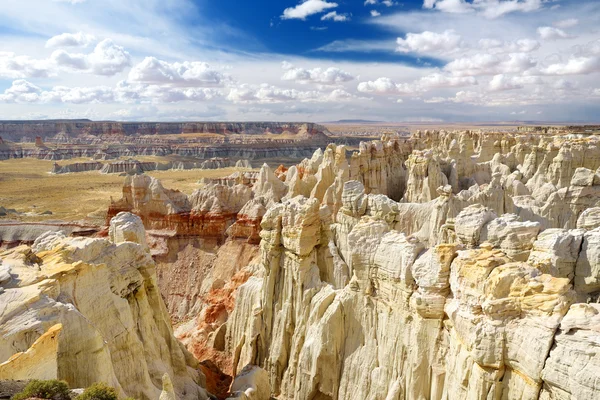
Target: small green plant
point(51, 389)
point(99, 391)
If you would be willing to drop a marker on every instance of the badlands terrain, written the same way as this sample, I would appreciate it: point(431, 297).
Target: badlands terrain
point(300, 262)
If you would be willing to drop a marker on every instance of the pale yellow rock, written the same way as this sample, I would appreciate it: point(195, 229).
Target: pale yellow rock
point(251, 383)
point(38, 362)
point(115, 327)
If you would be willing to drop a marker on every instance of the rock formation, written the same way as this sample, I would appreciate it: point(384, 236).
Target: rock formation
point(88, 310)
point(477, 288)
point(454, 265)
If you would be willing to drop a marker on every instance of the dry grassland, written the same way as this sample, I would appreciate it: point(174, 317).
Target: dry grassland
point(27, 186)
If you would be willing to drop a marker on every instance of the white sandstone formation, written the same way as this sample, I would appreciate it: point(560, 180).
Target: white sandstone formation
point(88, 310)
point(474, 286)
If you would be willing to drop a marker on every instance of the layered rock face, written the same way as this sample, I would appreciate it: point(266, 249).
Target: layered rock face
point(89, 310)
point(61, 140)
point(13, 130)
point(135, 166)
point(479, 288)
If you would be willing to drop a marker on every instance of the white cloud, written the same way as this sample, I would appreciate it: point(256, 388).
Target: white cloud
point(370, 2)
point(14, 66)
point(551, 33)
point(70, 40)
point(329, 76)
point(489, 64)
point(386, 86)
point(334, 16)
point(23, 91)
point(375, 13)
point(566, 23)
point(106, 59)
point(428, 42)
point(435, 100)
point(188, 73)
point(436, 81)
point(488, 8)
point(265, 94)
point(69, 60)
point(574, 66)
point(307, 8)
point(502, 82)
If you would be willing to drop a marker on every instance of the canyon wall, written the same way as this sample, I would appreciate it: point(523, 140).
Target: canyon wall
point(15, 130)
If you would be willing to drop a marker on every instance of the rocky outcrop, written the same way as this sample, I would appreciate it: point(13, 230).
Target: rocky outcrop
point(477, 288)
point(88, 310)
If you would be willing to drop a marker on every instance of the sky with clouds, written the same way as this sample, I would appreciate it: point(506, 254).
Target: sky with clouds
point(301, 60)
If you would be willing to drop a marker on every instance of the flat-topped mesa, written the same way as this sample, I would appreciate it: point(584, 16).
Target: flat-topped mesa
point(14, 130)
point(89, 310)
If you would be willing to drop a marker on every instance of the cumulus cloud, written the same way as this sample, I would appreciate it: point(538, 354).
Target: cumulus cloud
point(428, 42)
point(70, 40)
point(22, 91)
point(385, 85)
point(106, 59)
point(14, 66)
point(436, 80)
point(329, 76)
point(490, 64)
point(307, 8)
point(502, 82)
point(191, 73)
point(487, 8)
point(551, 33)
point(334, 16)
point(574, 66)
point(266, 94)
point(375, 13)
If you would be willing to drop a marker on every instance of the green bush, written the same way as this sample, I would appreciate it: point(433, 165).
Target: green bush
point(99, 391)
point(51, 389)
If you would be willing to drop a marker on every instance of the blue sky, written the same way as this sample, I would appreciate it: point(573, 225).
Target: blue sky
point(317, 60)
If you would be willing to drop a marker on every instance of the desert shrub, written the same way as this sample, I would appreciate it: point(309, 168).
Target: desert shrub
point(51, 389)
point(99, 391)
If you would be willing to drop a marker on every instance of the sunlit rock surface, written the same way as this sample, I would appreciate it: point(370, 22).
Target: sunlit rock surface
point(89, 310)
